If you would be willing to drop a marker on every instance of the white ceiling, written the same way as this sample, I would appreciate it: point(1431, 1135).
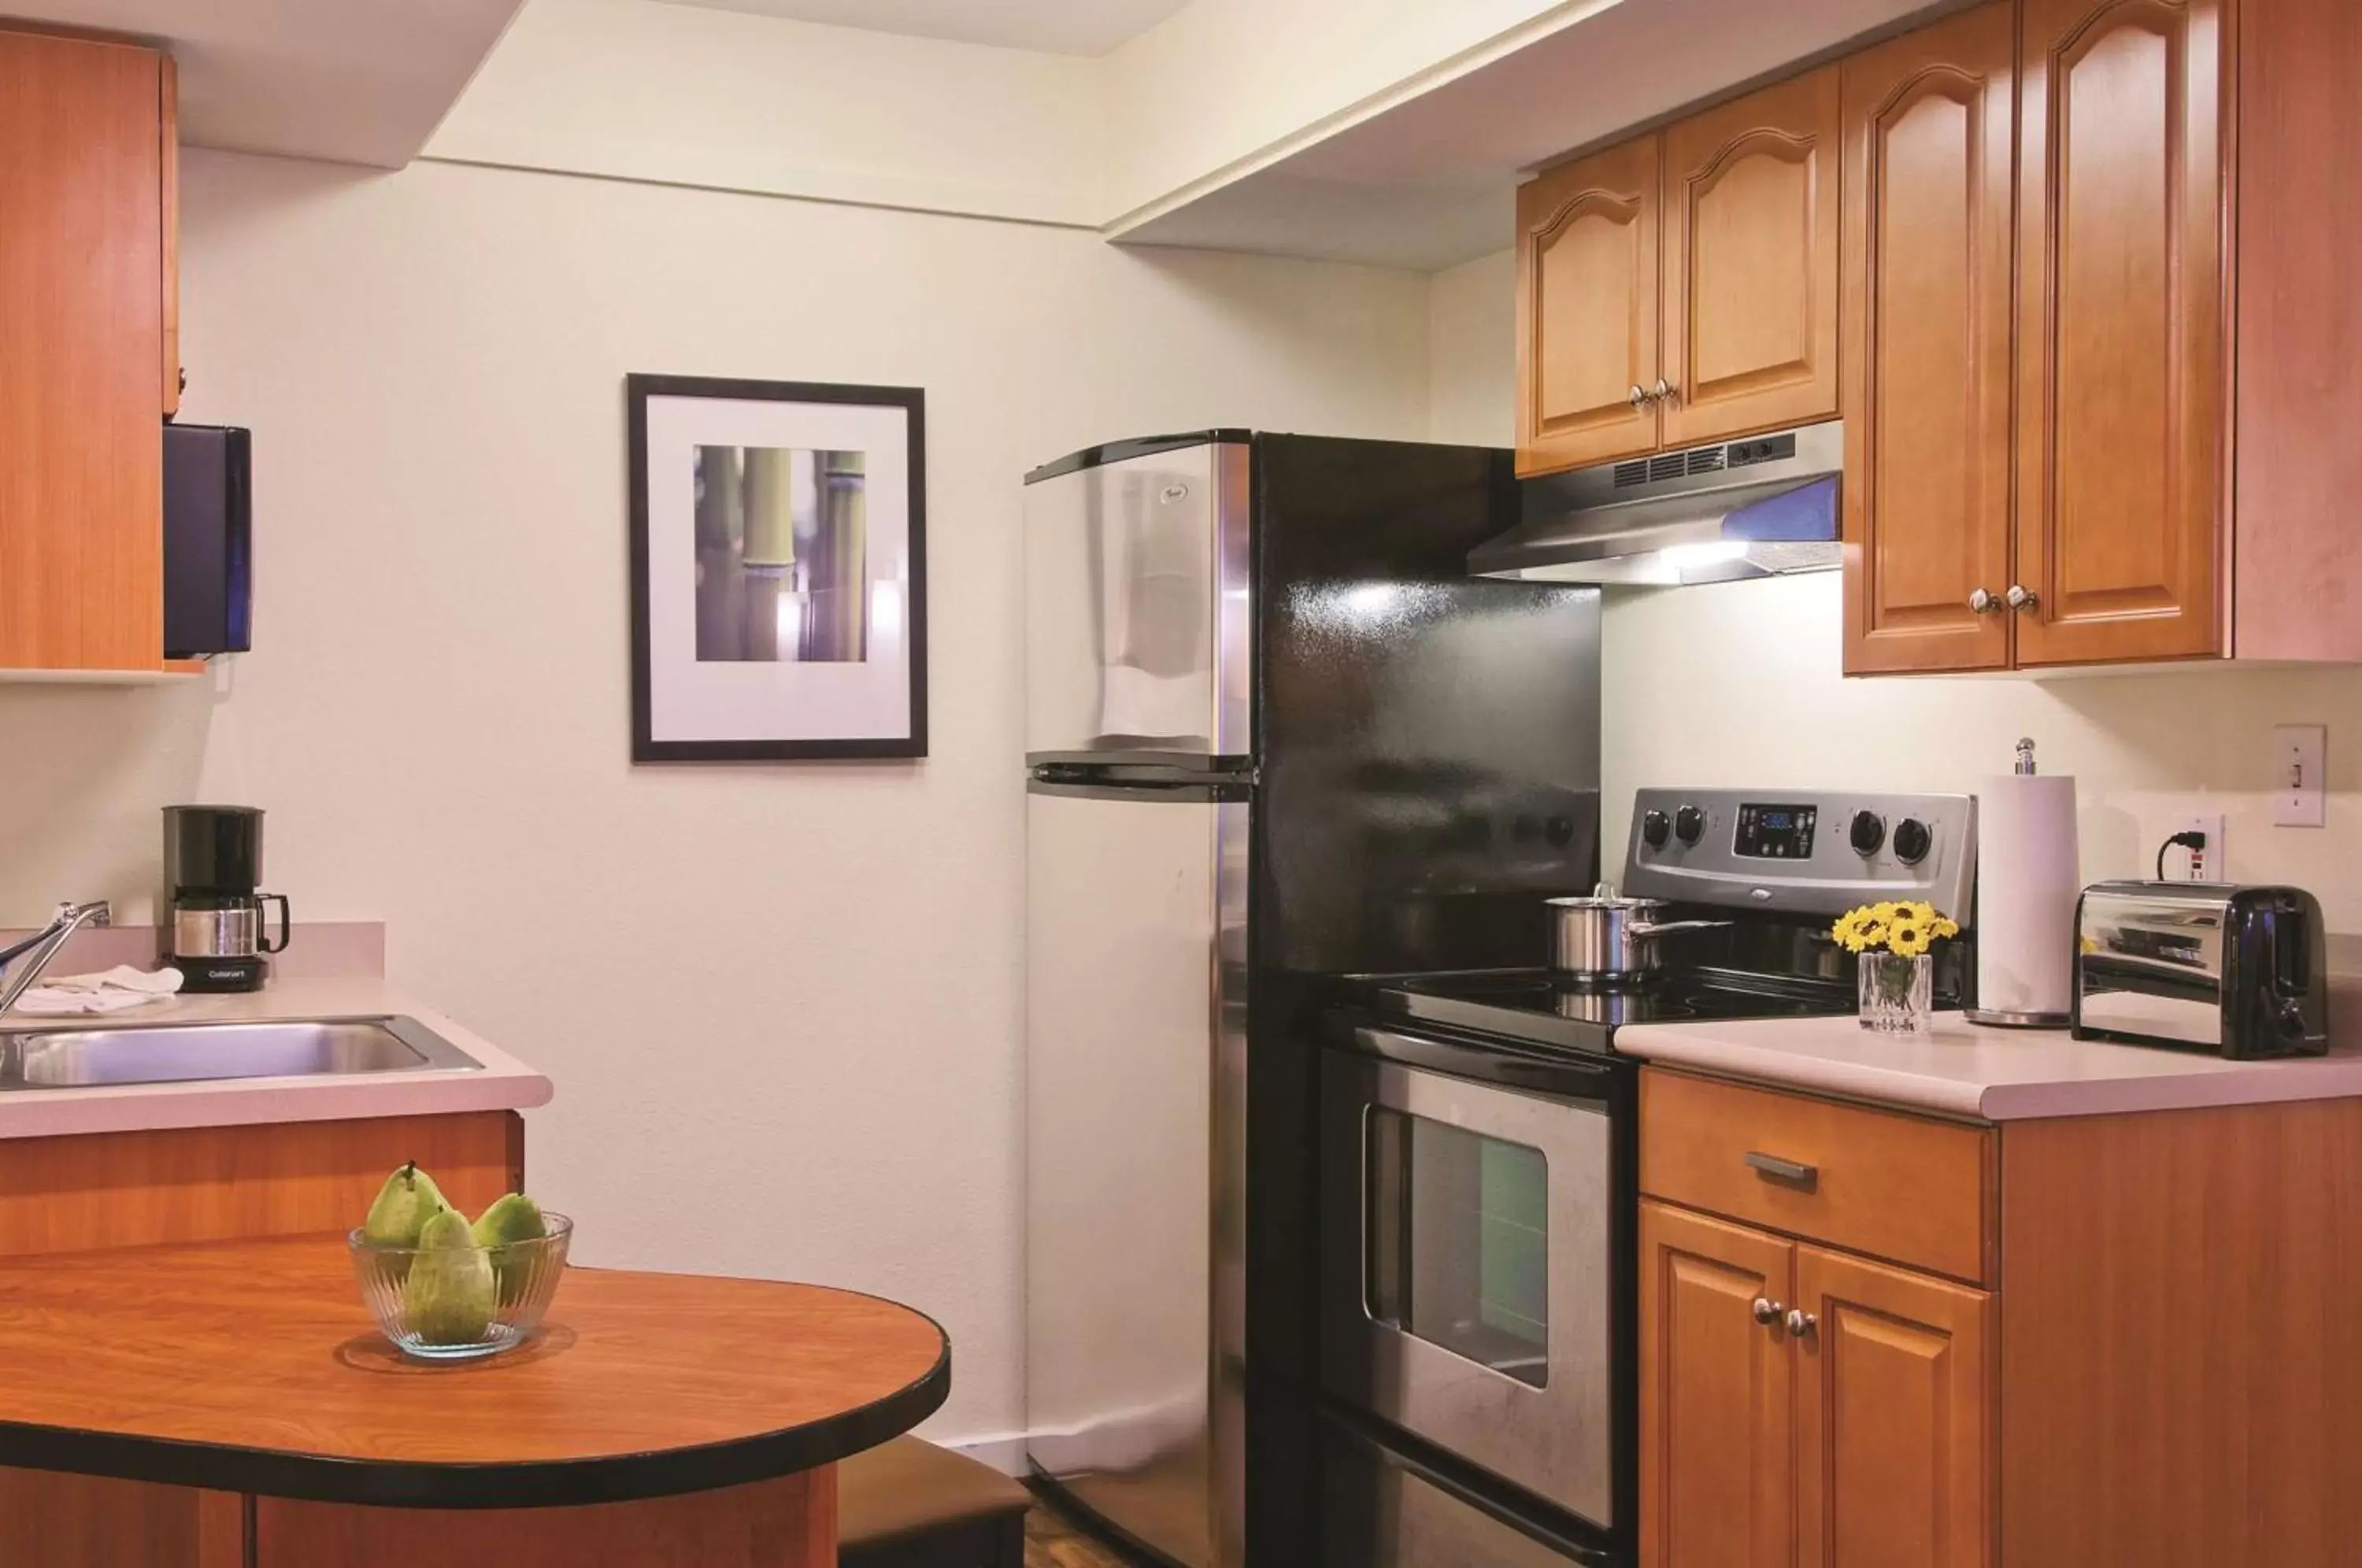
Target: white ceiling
point(1053, 27)
point(352, 81)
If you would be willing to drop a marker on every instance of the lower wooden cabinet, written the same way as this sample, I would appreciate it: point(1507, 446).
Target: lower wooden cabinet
point(2145, 1367)
point(1802, 1406)
point(1894, 1415)
point(1717, 1395)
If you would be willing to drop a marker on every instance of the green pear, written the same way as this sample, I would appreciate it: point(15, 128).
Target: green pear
point(450, 1295)
point(511, 1219)
point(408, 1200)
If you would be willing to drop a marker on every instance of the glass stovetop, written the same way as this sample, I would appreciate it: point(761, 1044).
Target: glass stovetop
point(1536, 1004)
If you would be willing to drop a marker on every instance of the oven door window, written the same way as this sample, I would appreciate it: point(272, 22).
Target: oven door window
point(1457, 1242)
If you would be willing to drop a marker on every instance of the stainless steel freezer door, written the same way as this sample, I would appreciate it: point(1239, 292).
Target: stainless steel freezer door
point(1135, 1039)
point(1138, 607)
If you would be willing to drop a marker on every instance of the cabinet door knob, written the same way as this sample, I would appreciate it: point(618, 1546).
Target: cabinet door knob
point(1982, 603)
point(2022, 597)
point(1768, 1311)
point(1640, 395)
point(1802, 1323)
point(1662, 389)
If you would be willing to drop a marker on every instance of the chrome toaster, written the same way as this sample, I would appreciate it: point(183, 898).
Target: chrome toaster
point(2237, 971)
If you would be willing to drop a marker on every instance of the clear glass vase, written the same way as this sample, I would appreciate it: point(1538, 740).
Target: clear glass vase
point(1898, 994)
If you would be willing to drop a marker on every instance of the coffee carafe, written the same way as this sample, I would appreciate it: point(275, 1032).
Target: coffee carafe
point(212, 926)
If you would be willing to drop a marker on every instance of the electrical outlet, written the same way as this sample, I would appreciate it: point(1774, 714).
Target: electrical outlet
point(2300, 776)
point(2198, 865)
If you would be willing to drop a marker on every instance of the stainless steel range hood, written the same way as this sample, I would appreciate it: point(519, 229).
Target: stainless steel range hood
point(1756, 507)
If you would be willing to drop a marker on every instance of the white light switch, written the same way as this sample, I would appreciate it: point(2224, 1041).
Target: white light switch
point(2299, 777)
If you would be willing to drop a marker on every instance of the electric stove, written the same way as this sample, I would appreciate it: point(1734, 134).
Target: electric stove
point(1552, 1010)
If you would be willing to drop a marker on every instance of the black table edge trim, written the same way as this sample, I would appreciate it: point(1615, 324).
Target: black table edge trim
point(536, 1483)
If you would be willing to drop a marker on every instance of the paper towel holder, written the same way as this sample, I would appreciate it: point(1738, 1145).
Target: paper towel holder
point(1999, 1018)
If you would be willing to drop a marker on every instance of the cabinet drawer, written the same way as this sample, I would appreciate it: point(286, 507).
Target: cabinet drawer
point(1891, 1185)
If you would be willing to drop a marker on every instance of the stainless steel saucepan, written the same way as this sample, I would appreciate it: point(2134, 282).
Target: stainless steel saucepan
point(1606, 937)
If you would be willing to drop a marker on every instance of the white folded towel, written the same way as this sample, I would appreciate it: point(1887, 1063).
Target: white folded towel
point(110, 990)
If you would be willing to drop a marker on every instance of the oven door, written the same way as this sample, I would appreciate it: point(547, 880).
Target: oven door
point(1468, 1254)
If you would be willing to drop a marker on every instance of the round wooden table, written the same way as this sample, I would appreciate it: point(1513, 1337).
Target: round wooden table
point(657, 1419)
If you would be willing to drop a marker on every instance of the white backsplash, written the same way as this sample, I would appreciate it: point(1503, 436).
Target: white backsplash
point(1740, 684)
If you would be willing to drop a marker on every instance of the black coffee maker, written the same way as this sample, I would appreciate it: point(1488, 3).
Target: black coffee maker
point(213, 929)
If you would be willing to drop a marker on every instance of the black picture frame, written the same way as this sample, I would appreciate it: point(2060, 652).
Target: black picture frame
point(911, 401)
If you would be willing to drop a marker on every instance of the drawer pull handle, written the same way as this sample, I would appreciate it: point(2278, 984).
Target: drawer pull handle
point(1768, 1312)
point(1790, 1172)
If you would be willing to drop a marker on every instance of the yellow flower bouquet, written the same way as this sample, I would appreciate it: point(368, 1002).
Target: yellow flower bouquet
point(1904, 930)
point(1893, 941)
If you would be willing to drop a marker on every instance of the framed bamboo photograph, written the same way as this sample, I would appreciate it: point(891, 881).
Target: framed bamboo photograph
point(778, 570)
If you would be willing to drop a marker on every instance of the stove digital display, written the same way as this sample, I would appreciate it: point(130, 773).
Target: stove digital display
point(1776, 833)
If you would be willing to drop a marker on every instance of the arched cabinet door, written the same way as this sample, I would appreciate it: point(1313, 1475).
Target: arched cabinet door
point(2120, 359)
point(1930, 122)
point(1750, 274)
point(1587, 294)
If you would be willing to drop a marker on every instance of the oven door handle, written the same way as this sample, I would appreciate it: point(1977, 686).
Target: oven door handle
point(1566, 1077)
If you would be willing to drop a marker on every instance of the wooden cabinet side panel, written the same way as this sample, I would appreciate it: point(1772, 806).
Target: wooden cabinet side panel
point(168, 220)
point(199, 1184)
point(2298, 393)
point(786, 1523)
point(1717, 1473)
point(1893, 1418)
point(2121, 431)
point(1930, 130)
point(1751, 287)
point(1588, 309)
point(2180, 1384)
point(81, 489)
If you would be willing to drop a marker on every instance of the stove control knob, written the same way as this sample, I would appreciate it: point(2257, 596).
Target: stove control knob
point(1912, 841)
point(1655, 829)
point(1868, 833)
point(1689, 824)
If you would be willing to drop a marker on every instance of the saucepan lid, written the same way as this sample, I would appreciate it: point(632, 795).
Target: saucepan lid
point(1604, 897)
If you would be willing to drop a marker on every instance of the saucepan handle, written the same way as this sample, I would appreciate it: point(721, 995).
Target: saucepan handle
point(1644, 929)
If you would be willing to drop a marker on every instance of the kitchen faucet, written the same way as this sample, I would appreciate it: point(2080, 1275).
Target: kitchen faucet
point(16, 978)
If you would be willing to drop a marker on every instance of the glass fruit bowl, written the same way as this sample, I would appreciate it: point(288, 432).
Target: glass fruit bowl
point(461, 1303)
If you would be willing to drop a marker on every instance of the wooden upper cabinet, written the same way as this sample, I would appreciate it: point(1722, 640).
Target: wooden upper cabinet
point(1717, 1464)
point(1894, 1417)
point(1587, 318)
point(2121, 414)
point(1750, 319)
point(82, 205)
point(2299, 586)
point(1929, 125)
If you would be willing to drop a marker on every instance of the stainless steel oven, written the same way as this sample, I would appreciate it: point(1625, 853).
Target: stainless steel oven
point(1475, 1264)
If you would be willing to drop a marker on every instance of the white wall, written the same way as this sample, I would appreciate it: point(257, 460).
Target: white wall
point(780, 1003)
point(727, 100)
point(692, 96)
point(1471, 324)
point(1740, 684)
point(1221, 81)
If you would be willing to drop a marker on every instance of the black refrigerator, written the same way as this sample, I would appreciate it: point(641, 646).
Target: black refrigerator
point(1275, 737)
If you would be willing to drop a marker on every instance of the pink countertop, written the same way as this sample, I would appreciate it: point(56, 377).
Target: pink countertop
point(503, 1083)
point(1997, 1075)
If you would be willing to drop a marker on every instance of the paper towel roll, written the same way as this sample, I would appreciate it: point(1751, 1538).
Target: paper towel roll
point(2027, 880)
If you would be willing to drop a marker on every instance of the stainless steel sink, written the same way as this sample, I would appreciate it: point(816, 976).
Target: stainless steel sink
point(179, 1052)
